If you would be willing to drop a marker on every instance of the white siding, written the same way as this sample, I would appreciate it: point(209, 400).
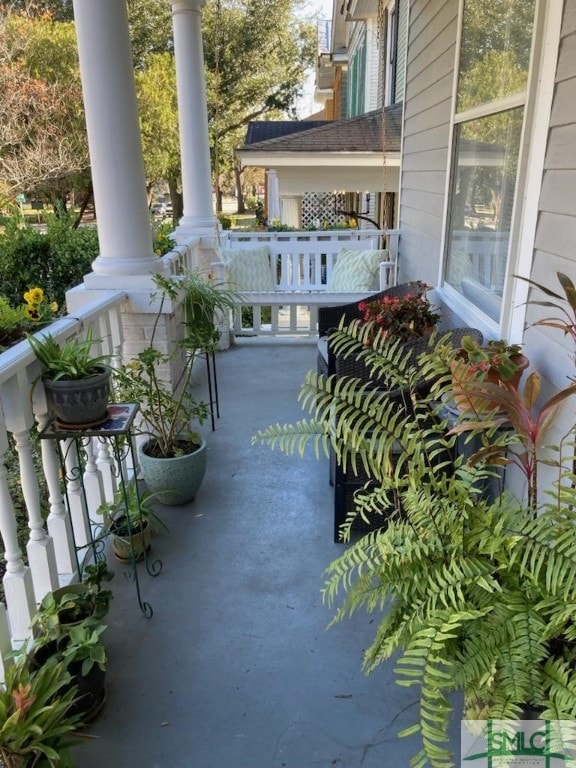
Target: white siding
point(429, 77)
point(401, 50)
point(372, 66)
point(556, 230)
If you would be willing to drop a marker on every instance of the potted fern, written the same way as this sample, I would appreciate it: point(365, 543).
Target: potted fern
point(470, 592)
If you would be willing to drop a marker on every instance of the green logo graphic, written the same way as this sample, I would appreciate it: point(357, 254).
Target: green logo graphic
point(511, 743)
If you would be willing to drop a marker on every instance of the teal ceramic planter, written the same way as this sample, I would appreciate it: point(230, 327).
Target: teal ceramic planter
point(177, 480)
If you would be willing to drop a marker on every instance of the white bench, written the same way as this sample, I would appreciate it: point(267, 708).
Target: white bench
point(300, 267)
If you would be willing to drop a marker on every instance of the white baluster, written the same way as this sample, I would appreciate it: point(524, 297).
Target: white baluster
point(93, 485)
point(18, 587)
point(59, 524)
point(20, 421)
point(105, 463)
point(75, 495)
point(40, 547)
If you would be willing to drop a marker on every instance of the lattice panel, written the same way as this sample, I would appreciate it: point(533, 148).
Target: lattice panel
point(321, 206)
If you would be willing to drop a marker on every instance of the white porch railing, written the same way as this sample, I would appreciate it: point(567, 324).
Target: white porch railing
point(301, 266)
point(50, 552)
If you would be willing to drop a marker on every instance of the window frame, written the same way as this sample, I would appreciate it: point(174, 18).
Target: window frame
point(536, 100)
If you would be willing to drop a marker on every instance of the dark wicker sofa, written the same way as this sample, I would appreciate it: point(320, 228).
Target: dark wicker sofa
point(330, 317)
point(348, 482)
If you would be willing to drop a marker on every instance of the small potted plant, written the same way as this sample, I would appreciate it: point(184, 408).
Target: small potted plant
point(77, 384)
point(492, 363)
point(81, 650)
point(76, 603)
point(402, 318)
point(173, 458)
point(130, 520)
point(36, 715)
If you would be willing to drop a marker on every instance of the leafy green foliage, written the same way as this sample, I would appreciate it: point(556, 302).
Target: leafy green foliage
point(167, 417)
point(57, 260)
point(476, 593)
point(34, 718)
point(70, 361)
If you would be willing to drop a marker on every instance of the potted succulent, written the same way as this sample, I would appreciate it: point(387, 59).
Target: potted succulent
point(173, 458)
point(77, 384)
point(36, 715)
point(493, 362)
point(401, 318)
point(130, 520)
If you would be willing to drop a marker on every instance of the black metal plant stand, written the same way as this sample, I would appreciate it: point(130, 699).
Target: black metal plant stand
point(74, 447)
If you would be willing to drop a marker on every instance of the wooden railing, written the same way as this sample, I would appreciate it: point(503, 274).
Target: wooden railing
point(301, 265)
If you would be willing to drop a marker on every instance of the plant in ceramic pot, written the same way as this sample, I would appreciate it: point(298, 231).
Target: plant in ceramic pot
point(173, 458)
point(130, 521)
point(77, 383)
point(496, 362)
point(81, 650)
point(85, 601)
point(401, 318)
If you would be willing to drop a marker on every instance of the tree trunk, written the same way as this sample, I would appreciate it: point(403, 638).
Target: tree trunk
point(83, 205)
point(176, 200)
point(241, 208)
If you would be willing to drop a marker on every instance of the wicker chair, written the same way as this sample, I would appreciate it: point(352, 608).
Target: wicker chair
point(330, 317)
point(347, 482)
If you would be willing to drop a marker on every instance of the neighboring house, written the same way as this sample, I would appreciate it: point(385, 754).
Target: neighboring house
point(334, 165)
point(351, 164)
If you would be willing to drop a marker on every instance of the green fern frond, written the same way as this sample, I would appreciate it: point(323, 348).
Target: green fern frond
point(295, 438)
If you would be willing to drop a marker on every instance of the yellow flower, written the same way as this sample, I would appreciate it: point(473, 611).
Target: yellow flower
point(32, 312)
point(352, 223)
point(34, 296)
point(54, 306)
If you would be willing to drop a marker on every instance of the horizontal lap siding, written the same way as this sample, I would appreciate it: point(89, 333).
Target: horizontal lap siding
point(556, 230)
point(429, 78)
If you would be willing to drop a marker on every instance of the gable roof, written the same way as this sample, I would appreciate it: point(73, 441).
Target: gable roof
point(354, 134)
point(264, 130)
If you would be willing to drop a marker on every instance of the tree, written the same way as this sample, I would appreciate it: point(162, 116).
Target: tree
point(43, 145)
point(156, 89)
point(257, 53)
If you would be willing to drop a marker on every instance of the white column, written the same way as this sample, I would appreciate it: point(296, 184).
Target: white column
point(193, 119)
point(114, 139)
point(273, 200)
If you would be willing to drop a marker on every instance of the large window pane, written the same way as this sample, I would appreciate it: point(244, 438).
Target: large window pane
point(482, 197)
point(495, 52)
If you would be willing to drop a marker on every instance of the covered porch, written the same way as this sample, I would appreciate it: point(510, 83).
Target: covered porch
point(236, 666)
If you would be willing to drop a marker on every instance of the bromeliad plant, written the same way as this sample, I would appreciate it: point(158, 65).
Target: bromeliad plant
point(475, 592)
point(37, 724)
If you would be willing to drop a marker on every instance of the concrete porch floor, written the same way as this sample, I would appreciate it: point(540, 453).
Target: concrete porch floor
point(236, 668)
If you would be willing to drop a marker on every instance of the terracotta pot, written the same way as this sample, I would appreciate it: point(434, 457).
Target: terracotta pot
point(461, 373)
point(129, 547)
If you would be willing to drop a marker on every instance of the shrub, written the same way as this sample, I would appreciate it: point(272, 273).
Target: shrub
point(57, 260)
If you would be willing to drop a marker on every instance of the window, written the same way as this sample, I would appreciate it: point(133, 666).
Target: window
point(490, 109)
point(391, 53)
